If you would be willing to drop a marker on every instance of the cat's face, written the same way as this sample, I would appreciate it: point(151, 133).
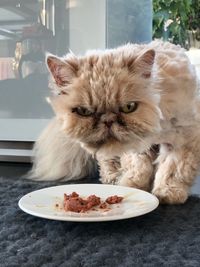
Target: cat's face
point(106, 101)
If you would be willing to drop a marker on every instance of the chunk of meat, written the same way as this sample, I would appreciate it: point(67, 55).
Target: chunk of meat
point(73, 202)
point(114, 199)
point(72, 195)
point(93, 201)
point(103, 205)
point(76, 204)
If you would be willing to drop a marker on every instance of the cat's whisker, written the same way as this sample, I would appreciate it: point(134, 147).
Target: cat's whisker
point(145, 144)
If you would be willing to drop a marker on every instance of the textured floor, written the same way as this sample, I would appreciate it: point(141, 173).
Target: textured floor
point(169, 236)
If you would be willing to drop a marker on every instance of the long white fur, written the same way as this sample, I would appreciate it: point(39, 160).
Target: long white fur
point(58, 157)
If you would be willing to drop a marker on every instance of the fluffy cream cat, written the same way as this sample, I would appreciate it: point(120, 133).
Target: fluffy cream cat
point(113, 107)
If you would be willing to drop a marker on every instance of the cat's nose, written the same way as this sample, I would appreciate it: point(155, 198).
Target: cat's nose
point(108, 123)
point(108, 119)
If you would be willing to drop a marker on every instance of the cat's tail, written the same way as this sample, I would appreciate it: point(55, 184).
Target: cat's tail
point(58, 157)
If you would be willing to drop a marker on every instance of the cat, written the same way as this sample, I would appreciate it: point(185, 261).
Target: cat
point(135, 110)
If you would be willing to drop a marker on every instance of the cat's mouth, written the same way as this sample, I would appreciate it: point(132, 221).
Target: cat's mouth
point(108, 138)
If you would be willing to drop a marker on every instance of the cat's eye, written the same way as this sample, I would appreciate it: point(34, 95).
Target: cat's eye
point(83, 111)
point(129, 107)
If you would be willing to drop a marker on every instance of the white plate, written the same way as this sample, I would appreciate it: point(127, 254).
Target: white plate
point(42, 203)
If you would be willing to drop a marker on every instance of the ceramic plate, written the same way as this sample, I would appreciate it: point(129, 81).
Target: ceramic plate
point(47, 203)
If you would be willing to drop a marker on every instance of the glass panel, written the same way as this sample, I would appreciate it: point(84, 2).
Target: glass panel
point(29, 28)
point(87, 20)
point(23, 75)
point(128, 21)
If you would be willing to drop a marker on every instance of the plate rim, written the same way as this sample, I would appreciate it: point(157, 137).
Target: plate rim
point(87, 219)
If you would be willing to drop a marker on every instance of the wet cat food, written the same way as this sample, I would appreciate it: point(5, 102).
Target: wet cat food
point(73, 202)
point(114, 199)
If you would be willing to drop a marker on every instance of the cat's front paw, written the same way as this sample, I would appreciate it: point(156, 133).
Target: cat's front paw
point(134, 182)
point(137, 171)
point(109, 171)
point(110, 179)
point(170, 195)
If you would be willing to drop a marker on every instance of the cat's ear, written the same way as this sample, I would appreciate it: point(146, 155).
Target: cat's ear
point(62, 70)
point(143, 64)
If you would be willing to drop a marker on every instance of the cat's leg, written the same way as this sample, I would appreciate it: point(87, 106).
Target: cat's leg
point(110, 170)
point(137, 170)
point(176, 171)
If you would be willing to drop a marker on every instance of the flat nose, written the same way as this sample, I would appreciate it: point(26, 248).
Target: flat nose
point(108, 123)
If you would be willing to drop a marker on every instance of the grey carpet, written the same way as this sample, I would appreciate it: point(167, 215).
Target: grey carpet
point(169, 236)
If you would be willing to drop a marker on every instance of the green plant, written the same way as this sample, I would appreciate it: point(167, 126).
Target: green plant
point(173, 18)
